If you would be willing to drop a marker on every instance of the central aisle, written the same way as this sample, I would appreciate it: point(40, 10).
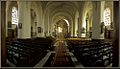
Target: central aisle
point(61, 57)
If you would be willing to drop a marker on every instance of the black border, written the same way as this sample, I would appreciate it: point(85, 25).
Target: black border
point(52, 0)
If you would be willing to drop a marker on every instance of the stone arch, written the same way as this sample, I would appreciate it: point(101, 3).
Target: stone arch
point(87, 18)
point(57, 7)
point(61, 15)
point(64, 28)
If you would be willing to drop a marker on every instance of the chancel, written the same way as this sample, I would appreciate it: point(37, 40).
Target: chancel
point(60, 34)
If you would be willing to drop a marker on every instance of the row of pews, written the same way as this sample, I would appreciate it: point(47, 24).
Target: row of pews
point(28, 52)
point(91, 53)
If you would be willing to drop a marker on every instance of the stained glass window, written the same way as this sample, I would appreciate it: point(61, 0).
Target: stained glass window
point(107, 19)
point(14, 16)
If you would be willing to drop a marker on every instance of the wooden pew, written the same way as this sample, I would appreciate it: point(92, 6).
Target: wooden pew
point(91, 53)
point(29, 51)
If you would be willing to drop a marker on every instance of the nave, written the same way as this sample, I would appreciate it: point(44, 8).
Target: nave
point(60, 34)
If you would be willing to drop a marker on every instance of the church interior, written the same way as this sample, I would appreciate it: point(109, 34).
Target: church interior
point(60, 34)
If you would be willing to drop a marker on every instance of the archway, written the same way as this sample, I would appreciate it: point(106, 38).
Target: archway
point(61, 29)
point(87, 19)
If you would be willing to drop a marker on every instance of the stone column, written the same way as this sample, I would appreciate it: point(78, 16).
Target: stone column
point(102, 17)
point(73, 27)
point(43, 25)
point(8, 18)
point(24, 19)
point(79, 27)
point(87, 26)
point(8, 15)
point(76, 26)
point(98, 11)
point(96, 20)
point(48, 30)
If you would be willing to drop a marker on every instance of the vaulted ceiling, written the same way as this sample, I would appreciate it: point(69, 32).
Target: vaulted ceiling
point(63, 7)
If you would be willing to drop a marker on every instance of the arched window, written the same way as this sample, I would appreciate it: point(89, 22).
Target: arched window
point(107, 19)
point(14, 16)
